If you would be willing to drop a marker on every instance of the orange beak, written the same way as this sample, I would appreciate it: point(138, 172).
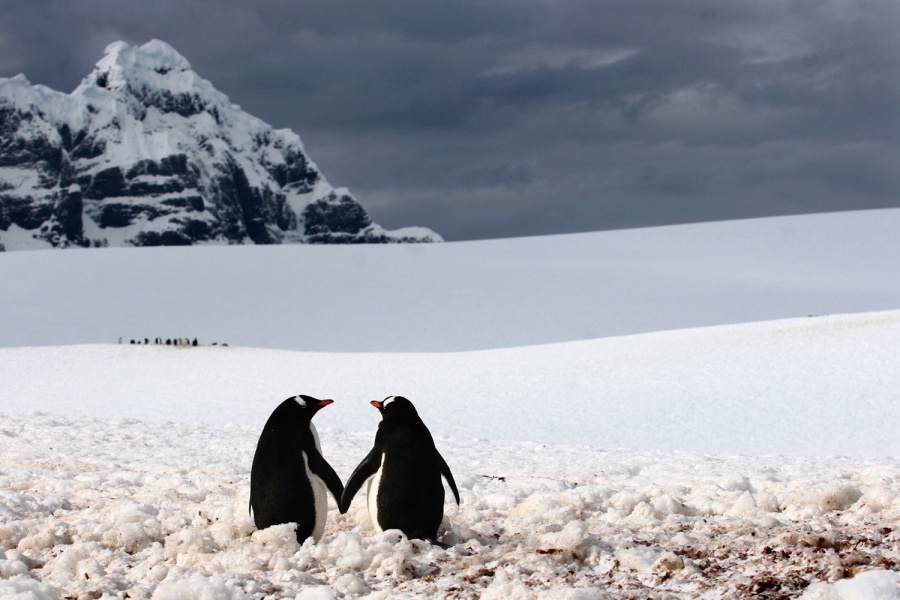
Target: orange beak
point(325, 402)
point(376, 404)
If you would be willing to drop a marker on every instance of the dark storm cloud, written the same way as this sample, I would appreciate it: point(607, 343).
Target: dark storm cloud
point(491, 118)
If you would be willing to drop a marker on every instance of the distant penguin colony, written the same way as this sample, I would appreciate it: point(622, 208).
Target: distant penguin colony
point(404, 472)
point(289, 476)
point(180, 342)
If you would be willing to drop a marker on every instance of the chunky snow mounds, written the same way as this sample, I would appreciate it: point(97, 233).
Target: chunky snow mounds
point(108, 507)
point(594, 469)
point(145, 152)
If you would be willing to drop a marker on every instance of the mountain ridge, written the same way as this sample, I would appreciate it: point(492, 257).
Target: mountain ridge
point(145, 152)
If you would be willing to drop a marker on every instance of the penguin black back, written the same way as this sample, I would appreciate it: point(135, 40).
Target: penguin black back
point(289, 475)
point(404, 469)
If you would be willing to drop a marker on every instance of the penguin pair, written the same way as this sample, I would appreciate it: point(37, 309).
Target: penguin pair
point(289, 476)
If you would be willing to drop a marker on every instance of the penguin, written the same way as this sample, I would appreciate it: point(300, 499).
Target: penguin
point(403, 471)
point(289, 476)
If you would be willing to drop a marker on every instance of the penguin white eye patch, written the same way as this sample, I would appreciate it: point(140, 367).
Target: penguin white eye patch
point(387, 401)
point(300, 401)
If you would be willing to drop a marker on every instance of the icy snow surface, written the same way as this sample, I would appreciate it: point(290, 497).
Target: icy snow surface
point(757, 460)
point(818, 385)
point(457, 296)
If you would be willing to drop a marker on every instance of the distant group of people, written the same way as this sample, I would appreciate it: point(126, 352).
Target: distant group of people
point(180, 342)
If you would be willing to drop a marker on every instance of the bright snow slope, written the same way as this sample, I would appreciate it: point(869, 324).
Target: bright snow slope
point(457, 296)
point(809, 386)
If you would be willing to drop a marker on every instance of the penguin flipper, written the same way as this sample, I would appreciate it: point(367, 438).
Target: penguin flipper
point(445, 471)
point(321, 469)
point(367, 468)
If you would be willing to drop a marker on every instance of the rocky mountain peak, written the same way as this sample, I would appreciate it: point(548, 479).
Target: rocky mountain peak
point(146, 152)
point(152, 75)
point(155, 63)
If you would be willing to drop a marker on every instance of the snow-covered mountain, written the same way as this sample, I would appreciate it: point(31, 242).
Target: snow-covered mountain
point(145, 152)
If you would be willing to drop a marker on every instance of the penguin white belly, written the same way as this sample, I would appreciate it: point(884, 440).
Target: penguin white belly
point(320, 500)
point(372, 499)
point(319, 490)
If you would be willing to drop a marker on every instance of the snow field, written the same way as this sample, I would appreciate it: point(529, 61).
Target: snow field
point(159, 510)
point(457, 296)
point(809, 386)
point(756, 460)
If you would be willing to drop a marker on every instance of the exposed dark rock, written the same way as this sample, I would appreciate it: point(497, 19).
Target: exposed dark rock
point(87, 147)
point(174, 164)
point(296, 172)
point(335, 215)
point(26, 211)
point(190, 203)
point(116, 214)
point(166, 238)
point(198, 231)
point(109, 183)
point(4, 220)
point(36, 149)
point(185, 105)
point(68, 214)
point(155, 188)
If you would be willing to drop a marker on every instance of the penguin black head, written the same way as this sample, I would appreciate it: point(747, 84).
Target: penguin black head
point(293, 412)
point(303, 406)
point(395, 407)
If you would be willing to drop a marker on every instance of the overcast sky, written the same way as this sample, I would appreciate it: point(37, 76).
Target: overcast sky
point(505, 118)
